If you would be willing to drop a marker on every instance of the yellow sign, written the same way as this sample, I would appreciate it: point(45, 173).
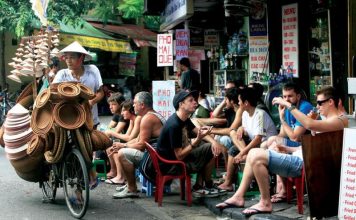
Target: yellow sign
point(93, 42)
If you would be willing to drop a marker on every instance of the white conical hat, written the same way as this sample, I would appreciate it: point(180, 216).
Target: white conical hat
point(14, 78)
point(76, 48)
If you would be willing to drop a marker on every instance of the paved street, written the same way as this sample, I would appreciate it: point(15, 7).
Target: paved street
point(23, 200)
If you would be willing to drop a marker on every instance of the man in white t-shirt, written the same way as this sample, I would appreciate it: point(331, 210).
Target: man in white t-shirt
point(89, 75)
point(256, 127)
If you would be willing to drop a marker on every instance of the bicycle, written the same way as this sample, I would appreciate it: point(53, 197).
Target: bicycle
point(72, 174)
point(5, 105)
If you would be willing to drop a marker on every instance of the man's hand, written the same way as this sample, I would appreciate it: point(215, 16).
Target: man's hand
point(278, 148)
point(281, 110)
point(216, 148)
point(240, 133)
point(203, 131)
point(239, 158)
point(281, 102)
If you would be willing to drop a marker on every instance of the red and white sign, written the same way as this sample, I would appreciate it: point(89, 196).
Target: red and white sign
point(164, 50)
point(195, 56)
point(163, 93)
point(347, 196)
point(258, 50)
point(182, 43)
point(290, 38)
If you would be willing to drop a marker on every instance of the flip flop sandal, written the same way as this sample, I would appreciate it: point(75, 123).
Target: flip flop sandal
point(255, 211)
point(226, 205)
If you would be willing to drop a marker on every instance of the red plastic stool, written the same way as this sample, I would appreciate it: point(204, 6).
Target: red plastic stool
point(298, 182)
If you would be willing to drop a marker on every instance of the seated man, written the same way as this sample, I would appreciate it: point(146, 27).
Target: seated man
point(291, 129)
point(256, 127)
point(259, 161)
point(131, 153)
point(223, 114)
point(174, 144)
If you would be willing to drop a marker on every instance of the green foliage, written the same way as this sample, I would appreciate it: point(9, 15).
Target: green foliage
point(106, 10)
point(16, 16)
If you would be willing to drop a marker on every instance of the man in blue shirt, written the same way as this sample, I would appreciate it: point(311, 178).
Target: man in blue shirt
point(291, 129)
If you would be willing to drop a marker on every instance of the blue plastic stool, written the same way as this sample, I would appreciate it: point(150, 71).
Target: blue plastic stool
point(97, 162)
point(148, 187)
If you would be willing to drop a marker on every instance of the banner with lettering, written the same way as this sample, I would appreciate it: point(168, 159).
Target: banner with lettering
point(182, 43)
point(164, 50)
point(163, 93)
point(290, 38)
point(347, 195)
point(258, 40)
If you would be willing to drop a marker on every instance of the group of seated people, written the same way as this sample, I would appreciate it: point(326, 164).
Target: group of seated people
point(240, 128)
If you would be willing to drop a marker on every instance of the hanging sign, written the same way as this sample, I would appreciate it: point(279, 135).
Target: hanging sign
point(211, 39)
point(258, 40)
point(163, 93)
point(347, 195)
point(182, 43)
point(164, 50)
point(290, 38)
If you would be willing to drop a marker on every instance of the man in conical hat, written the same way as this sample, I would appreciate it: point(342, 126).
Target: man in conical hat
point(89, 75)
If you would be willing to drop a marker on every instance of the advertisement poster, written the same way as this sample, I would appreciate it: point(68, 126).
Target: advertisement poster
point(195, 56)
point(290, 38)
point(182, 43)
point(258, 40)
point(127, 64)
point(163, 93)
point(347, 195)
point(211, 39)
point(164, 50)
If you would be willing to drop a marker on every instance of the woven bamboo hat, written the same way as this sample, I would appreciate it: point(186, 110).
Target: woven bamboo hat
point(76, 48)
point(69, 115)
point(36, 146)
point(89, 123)
point(68, 90)
point(42, 98)
point(42, 119)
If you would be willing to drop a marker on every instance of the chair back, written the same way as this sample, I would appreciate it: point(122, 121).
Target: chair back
point(154, 156)
point(322, 164)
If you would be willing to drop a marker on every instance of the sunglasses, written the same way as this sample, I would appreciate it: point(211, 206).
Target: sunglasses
point(322, 101)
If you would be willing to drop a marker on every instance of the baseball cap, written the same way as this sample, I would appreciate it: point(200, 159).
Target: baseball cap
point(181, 95)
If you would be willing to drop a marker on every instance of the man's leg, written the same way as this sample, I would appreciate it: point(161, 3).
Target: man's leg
point(230, 170)
point(128, 171)
point(258, 163)
point(110, 153)
point(238, 198)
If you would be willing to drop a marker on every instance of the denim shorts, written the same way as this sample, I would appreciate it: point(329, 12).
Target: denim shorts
point(225, 140)
point(289, 143)
point(285, 165)
point(133, 156)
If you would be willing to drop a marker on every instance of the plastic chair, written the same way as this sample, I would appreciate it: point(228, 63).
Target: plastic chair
point(298, 182)
point(161, 179)
point(97, 162)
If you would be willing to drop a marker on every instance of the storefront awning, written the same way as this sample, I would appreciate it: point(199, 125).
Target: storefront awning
point(140, 35)
point(91, 37)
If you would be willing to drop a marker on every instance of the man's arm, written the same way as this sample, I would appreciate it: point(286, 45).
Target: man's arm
point(295, 134)
point(99, 95)
point(235, 124)
point(218, 111)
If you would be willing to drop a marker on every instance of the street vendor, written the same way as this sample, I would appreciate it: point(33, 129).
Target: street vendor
point(89, 75)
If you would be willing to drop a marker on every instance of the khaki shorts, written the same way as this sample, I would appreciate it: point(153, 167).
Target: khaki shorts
point(133, 156)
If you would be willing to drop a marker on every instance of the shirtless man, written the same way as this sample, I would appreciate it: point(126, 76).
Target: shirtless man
point(131, 153)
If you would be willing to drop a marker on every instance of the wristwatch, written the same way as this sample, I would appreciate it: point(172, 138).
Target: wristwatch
point(291, 108)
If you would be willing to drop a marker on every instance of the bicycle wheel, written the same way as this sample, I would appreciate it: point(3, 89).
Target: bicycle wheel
point(76, 183)
point(49, 186)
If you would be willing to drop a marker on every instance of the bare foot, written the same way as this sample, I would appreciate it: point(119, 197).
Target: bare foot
point(110, 175)
point(226, 187)
point(258, 209)
point(231, 203)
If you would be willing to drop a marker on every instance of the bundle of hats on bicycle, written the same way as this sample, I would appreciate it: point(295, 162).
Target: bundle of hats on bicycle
point(240, 128)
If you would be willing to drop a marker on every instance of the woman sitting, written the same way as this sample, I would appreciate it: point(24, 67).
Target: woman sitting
point(132, 132)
